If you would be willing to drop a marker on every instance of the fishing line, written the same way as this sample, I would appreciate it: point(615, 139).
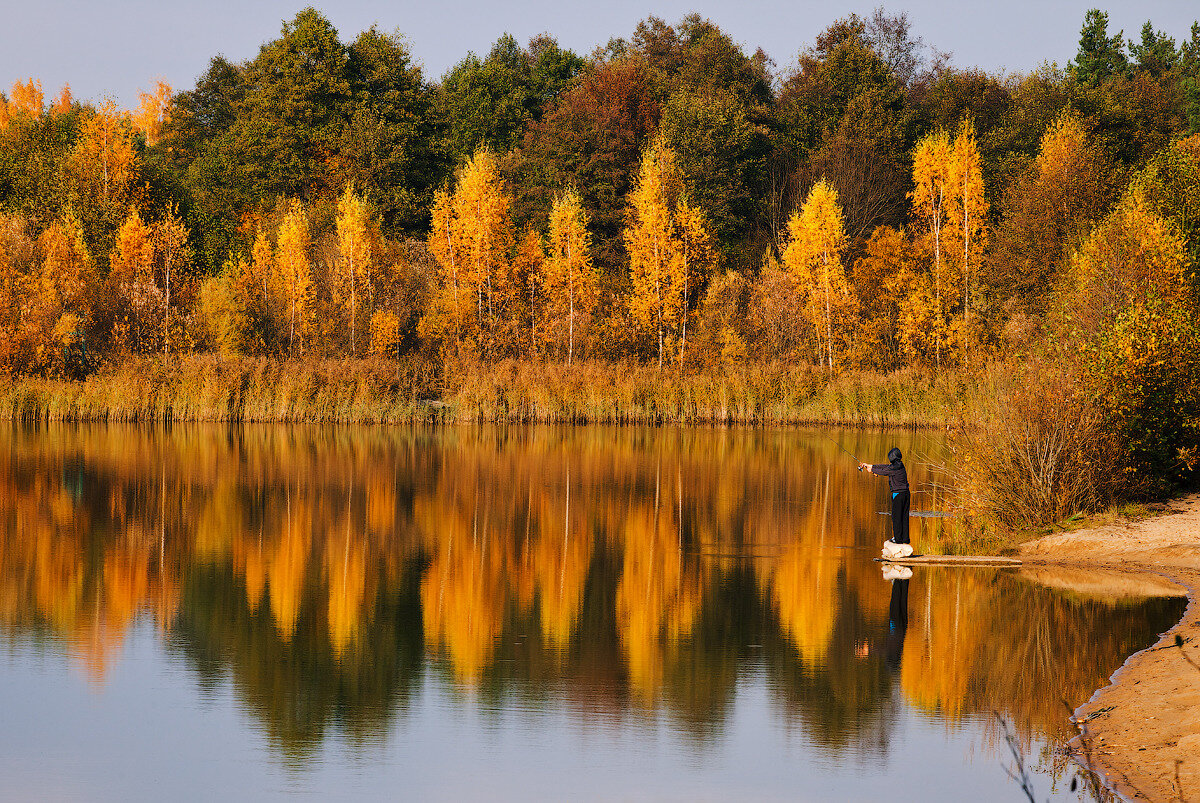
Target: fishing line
point(838, 445)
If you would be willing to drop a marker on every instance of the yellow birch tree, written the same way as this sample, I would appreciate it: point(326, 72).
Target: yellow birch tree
point(933, 190)
point(447, 312)
point(968, 214)
point(471, 237)
point(655, 261)
point(569, 281)
point(62, 104)
point(67, 269)
point(103, 158)
point(697, 258)
point(170, 243)
point(481, 210)
point(292, 272)
point(813, 258)
point(353, 267)
point(27, 97)
point(132, 258)
point(261, 270)
point(152, 111)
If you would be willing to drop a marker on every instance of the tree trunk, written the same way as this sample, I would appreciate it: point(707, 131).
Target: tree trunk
point(571, 303)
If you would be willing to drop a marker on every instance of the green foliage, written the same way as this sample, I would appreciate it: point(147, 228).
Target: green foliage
point(33, 152)
point(306, 117)
point(1145, 369)
point(1155, 54)
point(722, 154)
point(489, 103)
point(1100, 56)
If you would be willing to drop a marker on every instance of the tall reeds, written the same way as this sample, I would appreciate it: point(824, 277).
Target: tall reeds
point(210, 388)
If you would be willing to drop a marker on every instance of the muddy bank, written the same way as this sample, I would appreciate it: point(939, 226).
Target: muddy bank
point(1142, 732)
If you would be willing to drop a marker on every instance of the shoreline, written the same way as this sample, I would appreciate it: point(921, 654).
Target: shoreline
point(1141, 732)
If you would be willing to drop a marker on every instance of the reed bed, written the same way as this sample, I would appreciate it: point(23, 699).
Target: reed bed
point(419, 389)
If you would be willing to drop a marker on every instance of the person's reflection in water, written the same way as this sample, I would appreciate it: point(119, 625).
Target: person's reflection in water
point(897, 614)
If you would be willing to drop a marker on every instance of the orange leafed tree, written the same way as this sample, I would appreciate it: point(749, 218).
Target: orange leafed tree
point(471, 238)
point(446, 316)
point(569, 281)
point(292, 272)
point(67, 269)
point(63, 103)
point(655, 262)
point(351, 276)
point(103, 158)
point(261, 269)
point(27, 98)
point(170, 243)
point(132, 258)
point(697, 258)
point(813, 258)
point(933, 192)
point(481, 207)
point(968, 213)
point(153, 108)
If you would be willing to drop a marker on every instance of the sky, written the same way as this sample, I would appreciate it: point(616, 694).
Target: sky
point(116, 49)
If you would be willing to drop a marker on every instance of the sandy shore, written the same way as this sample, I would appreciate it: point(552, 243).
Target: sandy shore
point(1142, 732)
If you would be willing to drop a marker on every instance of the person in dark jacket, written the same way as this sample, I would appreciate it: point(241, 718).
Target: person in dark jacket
point(898, 485)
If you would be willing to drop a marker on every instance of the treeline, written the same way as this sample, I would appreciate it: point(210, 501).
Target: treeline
point(666, 199)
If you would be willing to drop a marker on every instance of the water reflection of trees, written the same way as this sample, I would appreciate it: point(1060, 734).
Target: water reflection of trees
point(623, 573)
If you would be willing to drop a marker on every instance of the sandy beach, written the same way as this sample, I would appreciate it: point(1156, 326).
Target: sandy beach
point(1142, 732)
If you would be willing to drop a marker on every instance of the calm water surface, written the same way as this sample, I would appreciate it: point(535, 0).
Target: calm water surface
point(514, 613)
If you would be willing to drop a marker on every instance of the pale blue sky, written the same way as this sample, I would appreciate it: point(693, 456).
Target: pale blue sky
point(115, 49)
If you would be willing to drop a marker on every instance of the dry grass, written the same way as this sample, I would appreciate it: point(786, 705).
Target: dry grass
point(210, 388)
point(749, 394)
point(205, 388)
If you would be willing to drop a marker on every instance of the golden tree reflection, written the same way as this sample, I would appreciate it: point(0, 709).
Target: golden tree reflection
point(625, 571)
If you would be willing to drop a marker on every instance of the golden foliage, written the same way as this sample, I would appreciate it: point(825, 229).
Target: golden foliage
point(132, 259)
point(153, 111)
point(669, 248)
point(385, 333)
point(471, 238)
point(568, 280)
point(1132, 252)
point(103, 160)
point(813, 258)
point(63, 103)
point(292, 274)
point(26, 98)
point(968, 214)
point(352, 270)
point(67, 272)
point(170, 247)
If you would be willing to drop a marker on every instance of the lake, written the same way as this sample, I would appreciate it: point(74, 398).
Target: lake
point(519, 613)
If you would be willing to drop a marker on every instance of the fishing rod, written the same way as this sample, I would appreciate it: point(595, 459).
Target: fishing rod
point(843, 448)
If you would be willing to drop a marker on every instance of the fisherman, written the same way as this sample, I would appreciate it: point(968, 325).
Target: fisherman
point(898, 485)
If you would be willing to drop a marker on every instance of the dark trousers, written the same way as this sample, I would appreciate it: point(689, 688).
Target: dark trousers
point(900, 517)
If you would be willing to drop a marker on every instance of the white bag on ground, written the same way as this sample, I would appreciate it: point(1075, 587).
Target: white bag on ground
point(893, 551)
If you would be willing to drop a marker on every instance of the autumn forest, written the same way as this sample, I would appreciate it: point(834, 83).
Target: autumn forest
point(668, 202)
